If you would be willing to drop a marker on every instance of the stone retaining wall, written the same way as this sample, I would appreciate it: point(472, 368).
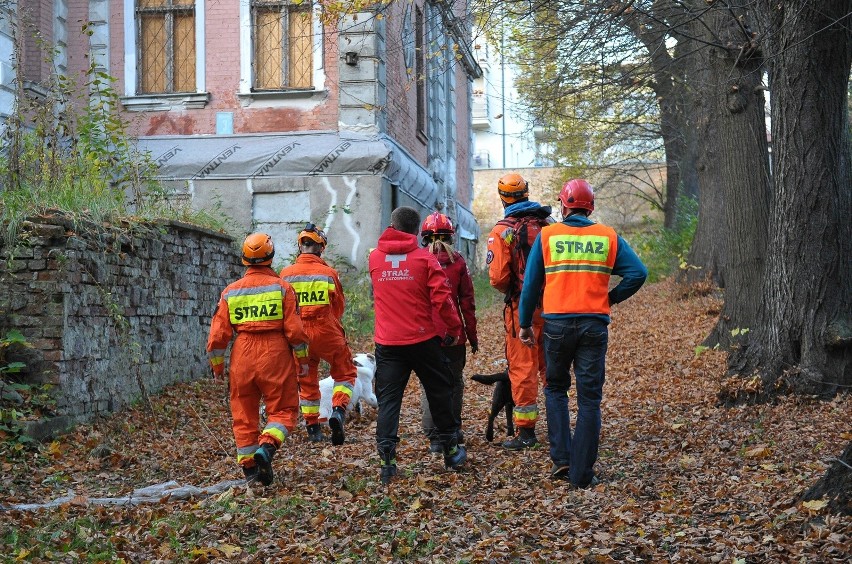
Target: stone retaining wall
point(112, 313)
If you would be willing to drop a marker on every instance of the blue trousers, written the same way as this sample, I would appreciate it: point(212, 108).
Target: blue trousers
point(581, 341)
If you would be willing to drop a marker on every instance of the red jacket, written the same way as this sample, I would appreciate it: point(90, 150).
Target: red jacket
point(461, 285)
point(408, 284)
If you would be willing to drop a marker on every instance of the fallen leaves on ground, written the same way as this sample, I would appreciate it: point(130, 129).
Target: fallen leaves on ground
point(682, 479)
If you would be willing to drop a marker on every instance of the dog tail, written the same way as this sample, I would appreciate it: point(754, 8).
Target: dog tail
point(491, 379)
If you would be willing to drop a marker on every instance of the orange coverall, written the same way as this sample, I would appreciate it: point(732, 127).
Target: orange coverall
point(321, 305)
point(262, 310)
point(526, 364)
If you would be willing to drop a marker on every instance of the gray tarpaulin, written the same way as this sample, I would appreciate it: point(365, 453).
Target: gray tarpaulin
point(207, 157)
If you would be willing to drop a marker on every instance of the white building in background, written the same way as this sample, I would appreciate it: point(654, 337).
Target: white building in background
point(503, 138)
point(7, 71)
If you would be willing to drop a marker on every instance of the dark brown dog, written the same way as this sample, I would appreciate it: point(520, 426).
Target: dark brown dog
point(501, 399)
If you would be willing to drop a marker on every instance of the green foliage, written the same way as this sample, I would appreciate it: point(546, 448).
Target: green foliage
point(485, 295)
point(359, 317)
point(664, 250)
point(32, 399)
point(68, 151)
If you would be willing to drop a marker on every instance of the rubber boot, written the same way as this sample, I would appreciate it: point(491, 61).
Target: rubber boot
point(263, 463)
point(250, 472)
point(454, 454)
point(526, 439)
point(338, 435)
point(388, 466)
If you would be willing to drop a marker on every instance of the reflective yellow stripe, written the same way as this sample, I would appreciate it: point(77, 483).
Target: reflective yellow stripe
point(310, 409)
point(216, 357)
point(526, 413)
point(343, 389)
point(255, 304)
point(594, 268)
point(244, 453)
point(312, 290)
point(276, 430)
point(301, 351)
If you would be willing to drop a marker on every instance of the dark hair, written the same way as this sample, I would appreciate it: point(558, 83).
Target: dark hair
point(406, 219)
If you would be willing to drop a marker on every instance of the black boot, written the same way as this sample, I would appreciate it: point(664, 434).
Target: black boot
point(388, 466)
point(263, 463)
point(526, 439)
point(454, 455)
point(315, 434)
point(250, 473)
point(336, 420)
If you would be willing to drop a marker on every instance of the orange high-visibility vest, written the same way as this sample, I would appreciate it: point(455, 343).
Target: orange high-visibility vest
point(578, 262)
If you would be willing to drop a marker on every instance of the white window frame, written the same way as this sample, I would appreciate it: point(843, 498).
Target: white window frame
point(148, 102)
point(245, 93)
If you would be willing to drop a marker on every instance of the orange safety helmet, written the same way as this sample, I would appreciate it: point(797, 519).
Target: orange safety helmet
point(436, 223)
point(512, 188)
point(577, 194)
point(313, 233)
point(258, 250)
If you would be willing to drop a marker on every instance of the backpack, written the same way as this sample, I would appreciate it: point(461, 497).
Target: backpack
point(526, 228)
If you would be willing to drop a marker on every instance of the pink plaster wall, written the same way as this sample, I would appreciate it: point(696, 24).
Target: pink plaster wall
point(222, 67)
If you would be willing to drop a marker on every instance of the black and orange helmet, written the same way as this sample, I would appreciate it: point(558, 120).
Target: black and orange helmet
point(513, 188)
point(313, 233)
point(438, 224)
point(258, 250)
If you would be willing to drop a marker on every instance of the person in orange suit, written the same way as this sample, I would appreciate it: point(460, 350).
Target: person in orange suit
point(321, 304)
point(509, 244)
point(261, 309)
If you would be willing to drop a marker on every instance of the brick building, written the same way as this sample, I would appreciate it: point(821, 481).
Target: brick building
point(275, 113)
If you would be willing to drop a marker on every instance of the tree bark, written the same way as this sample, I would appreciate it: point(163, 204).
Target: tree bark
point(735, 104)
point(804, 339)
point(836, 484)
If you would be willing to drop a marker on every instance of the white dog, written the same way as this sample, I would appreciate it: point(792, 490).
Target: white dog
point(365, 363)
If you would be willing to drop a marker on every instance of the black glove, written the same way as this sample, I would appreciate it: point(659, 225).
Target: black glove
point(474, 347)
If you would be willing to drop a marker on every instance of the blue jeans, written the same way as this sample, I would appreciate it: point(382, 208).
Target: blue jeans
point(581, 341)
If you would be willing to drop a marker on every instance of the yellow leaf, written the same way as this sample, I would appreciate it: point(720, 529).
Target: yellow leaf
point(678, 425)
point(416, 505)
point(230, 550)
point(22, 555)
point(55, 449)
point(815, 504)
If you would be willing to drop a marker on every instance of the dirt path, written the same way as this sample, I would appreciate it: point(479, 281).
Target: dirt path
point(682, 479)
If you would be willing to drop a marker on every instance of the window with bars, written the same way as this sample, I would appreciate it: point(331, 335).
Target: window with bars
point(282, 37)
point(166, 44)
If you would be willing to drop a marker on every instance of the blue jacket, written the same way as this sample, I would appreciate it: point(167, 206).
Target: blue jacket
point(627, 265)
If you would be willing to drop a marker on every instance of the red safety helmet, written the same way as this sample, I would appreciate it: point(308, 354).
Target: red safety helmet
point(512, 188)
point(436, 224)
point(577, 194)
point(258, 250)
point(313, 233)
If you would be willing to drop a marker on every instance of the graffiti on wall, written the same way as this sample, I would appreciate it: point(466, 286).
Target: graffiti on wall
point(336, 208)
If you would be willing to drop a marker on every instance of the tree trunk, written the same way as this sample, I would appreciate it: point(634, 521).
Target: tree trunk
point(737, 103)
point(804, 339)
point(835, 485)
